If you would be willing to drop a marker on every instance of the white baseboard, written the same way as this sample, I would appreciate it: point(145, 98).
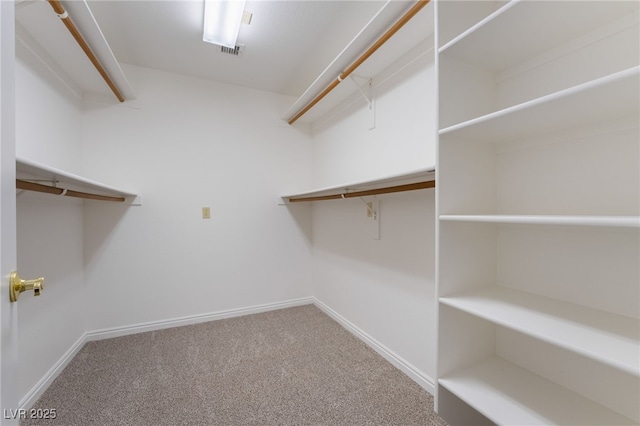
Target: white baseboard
point(415, 374)
point(32, 396)
point(108, 333)
point(410, 370)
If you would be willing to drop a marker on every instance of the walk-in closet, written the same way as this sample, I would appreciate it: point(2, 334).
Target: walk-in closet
point(455, 183)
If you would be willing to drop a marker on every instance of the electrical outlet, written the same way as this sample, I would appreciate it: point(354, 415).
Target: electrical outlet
point(206, 213)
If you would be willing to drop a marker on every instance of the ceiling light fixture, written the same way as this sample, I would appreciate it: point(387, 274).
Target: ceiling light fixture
point(222, 21)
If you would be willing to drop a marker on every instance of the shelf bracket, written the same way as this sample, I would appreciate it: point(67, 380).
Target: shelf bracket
point(365, 87)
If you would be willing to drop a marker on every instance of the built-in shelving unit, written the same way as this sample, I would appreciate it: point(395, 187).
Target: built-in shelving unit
point(538, 212)
point(30, 170)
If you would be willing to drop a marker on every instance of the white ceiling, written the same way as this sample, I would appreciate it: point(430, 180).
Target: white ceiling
point(288, 43)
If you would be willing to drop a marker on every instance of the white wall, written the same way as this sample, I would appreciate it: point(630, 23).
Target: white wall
point(384, 287)
point(184, 144)
point(345, 150)
point(48, 116)
point(49, 229)
point(49, 245)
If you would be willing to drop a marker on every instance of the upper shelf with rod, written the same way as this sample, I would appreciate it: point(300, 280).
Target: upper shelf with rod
point(34, 176)
point(391, 34)
point(78, 56)
point(413, 180)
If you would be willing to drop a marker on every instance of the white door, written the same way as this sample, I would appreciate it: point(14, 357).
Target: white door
point(8, 258)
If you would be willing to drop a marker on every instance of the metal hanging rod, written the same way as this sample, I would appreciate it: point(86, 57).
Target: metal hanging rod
point(370, 51)
point(377, 191)
point(64, 16)
point(37, 187)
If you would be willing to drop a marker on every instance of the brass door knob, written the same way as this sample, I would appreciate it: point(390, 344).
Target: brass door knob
point(17, 285)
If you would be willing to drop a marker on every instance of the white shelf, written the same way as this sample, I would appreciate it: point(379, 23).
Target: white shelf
point(509, 395)
point(611, 339)
point(414, 176)
point(600, 100)
point(32, 170)
point(596, 221)
point(563, 21)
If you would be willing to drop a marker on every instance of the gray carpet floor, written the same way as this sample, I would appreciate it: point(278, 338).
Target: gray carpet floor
point(294, 366)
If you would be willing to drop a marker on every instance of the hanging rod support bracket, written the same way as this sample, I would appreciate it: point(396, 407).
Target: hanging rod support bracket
point(365, 87)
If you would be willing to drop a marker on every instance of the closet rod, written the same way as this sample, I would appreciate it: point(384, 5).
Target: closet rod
point(31, 186)
point(364, 193)
point(382, 40)
point(64, 16)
